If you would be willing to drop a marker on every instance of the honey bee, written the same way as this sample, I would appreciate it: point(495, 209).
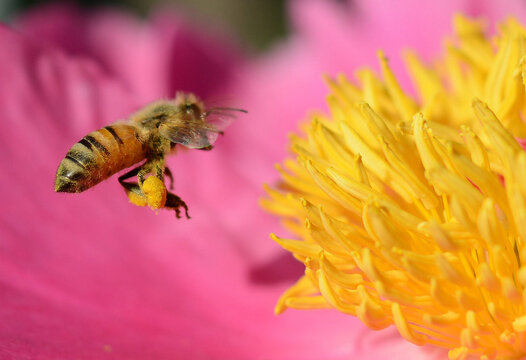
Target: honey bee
point(149, 134)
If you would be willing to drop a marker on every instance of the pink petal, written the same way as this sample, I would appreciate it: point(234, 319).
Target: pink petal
point(89, 275)
point(343, 37)
point(155, 58)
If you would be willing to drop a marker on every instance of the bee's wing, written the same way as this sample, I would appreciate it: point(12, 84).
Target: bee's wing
point(190, 135)
point(201, 132)
point(219, 119)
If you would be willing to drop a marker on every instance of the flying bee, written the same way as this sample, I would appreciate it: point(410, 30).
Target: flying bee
point(149, 134)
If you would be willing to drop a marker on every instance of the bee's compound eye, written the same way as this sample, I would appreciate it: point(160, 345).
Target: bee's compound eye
point(192, 109)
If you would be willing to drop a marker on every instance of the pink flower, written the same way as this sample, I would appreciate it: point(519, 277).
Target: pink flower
point(91, 276)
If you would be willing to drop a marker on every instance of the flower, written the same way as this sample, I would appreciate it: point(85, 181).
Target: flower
point(90, 276)
point(410, 210)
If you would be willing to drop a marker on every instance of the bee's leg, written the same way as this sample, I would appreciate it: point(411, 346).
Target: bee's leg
point(142, 173)
point(170, 177)
point(175, 202)
point(161, 170)
point(129, 174)
point(139, 198)
point(172, 201)
point(206, 148)
point(132, 189)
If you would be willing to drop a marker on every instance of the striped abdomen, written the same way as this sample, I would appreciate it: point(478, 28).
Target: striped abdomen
point(97, 156)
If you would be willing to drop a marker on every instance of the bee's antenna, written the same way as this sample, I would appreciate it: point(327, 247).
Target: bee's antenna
point(220, 111)
point(227, 109)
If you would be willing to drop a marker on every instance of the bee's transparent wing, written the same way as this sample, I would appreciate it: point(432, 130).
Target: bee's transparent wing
point(190, 135)
point(219, 119)
point(202, 132)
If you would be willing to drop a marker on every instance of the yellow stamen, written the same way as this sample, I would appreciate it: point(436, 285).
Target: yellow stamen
point(410, 210)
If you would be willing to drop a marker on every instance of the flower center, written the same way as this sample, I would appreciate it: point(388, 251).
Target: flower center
point(411, 211)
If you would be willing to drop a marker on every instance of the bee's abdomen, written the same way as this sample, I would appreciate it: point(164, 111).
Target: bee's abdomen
point(97, 156)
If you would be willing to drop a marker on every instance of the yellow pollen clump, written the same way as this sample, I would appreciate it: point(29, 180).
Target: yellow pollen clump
point(136, 199)
point(155, 192)
point(411, 210)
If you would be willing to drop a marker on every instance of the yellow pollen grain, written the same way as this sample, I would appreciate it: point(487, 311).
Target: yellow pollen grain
point(409, 210)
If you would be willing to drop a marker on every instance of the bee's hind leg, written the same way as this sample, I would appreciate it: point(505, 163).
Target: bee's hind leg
point(137, 196)
point(132, 189)
point(175, 202)
point(129, 174)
